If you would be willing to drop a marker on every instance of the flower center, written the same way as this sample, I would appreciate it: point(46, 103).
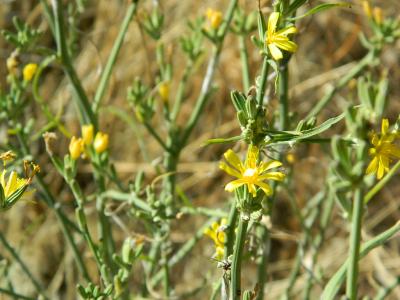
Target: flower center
point(249, 172)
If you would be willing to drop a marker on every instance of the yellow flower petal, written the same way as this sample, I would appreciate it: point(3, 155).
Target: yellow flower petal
point(278, 176)
point(286, 45)
point(265, 187)
point(385, 126)
point(286, 31)
point(252, 157)
point(275, 52)
point(231, 186)
point(373, 166)
point(273, 22)
point(233, 160)
point(224, 167)
point(264, 166)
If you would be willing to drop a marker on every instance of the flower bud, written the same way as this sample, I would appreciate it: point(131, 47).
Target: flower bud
point(214, 18)
point(163, 90)
point(87, 134)
point(100, 142)
point(29, 71)
point(75, 147)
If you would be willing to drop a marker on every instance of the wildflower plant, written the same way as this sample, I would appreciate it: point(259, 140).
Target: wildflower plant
point(119, 224)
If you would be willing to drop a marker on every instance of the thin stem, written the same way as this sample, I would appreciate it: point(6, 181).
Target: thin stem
point(82, 101)
point(283, 96)
point(23, 266)
point(105, 76)
point(385, 291)
point(244, 58)
point(235, 287)
point(230, 234)
point(381, 183)
point(355, 241)
point(156, 136)
point(63, 220)
point(181, 90)
point(262, 82)
point(363, 63)
point(208, 79)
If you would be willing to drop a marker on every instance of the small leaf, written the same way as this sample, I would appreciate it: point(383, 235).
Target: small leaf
point(320, 8)
point(222, 140)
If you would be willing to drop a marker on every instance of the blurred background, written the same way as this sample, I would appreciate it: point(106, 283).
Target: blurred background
point(328, 48)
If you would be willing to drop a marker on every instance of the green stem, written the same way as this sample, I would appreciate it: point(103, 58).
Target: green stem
point(245, 62)
point(208, 79)
point(263, 235)
point(381, 183)
point(261, 85)
point(105, 76)
point(230, 234)
point(385, 291)
point(283, 96)
point(156, 136)
point(86, 114)
point(235, 287)
point(181, 90)
point(363, 63)
point(63, 220)
point(355, 241)
point(23, 266)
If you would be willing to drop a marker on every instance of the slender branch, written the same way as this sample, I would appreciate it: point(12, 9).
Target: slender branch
point(355, 241)
point(105, 76)
point(235, 287)
point(23, 266)
point(208, 79)
point(244, 58)
point(82, 101)
point(381, 183)
point(262, 82)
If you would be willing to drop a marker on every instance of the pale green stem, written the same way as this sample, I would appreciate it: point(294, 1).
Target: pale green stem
point(86, 114)
point(262, 83)
point(381, 183)
point(23, 266)
point(105, 76)
point(355, 241)
point(235, 291)
point(245, 62)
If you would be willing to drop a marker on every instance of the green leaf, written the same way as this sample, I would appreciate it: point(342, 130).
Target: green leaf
point(293, 136)
point(320, 8)
point(333, 286)
point(222, 140)
point(2, 198)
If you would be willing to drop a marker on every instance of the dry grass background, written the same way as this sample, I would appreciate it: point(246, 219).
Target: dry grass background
point(328, 48)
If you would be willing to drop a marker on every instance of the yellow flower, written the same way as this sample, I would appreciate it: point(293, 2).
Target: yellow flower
point(383, 150)
point(277, 40)
point(214, 18)
point(29, 71)
point(378, 15)
point(100, 142)
point(87, 134)
point(163, 90)
point(13, 184)
point(250, 173)
point(217, 234)
point(76, 147)
point(367, 8)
